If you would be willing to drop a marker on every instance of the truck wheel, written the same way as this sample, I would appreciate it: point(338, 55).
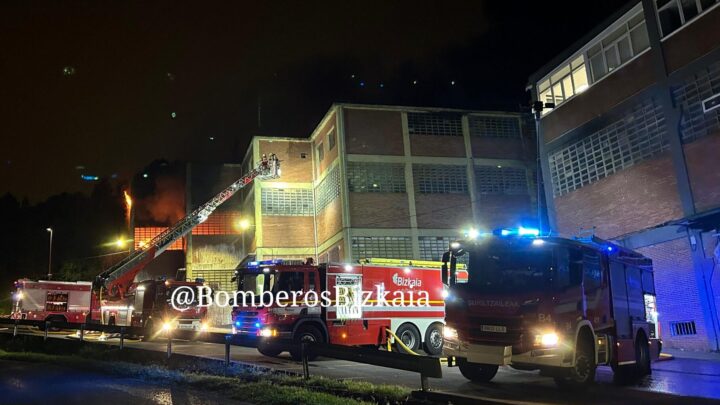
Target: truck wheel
point(583, 373)
point(269, 349)
point(630, 373)
point(410, 337)
point(434, 339)
point(307, 334)
point(476, 372)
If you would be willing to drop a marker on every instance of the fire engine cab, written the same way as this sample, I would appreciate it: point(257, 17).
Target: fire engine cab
point(561, 306)
point(357, 303)
point(51, 301)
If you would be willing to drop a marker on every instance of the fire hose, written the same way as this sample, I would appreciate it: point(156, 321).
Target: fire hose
point(398, 341)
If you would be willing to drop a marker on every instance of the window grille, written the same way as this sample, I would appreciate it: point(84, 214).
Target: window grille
point(328, 190)
point(501, 180)
point(636, 137)
point(388, 247)
point(433, 247)
point(689, 96)
point(683, 328)
point(444, 179)
point(287, 201)
point(497, 127)
point(376, 177)
point(443, 124)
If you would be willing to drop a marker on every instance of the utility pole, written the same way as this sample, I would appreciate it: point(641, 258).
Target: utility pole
point(49, 275)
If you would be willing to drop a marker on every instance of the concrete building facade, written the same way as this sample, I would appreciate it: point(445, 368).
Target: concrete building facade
point(631, 149)
point(394, 182)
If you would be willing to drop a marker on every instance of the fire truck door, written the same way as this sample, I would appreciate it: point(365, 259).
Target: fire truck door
point(621, 309)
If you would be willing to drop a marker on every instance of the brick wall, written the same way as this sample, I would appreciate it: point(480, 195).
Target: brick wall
point(322, 137)
point(373, 132)
point(677, 296)
point(498, 148)
point(294, 167)
point(431, 145)
point(286, 231)
point(640, 197)
point(702, 161)
point(694, 41)
point(335, 253)
point(379, 210)
point(443, 211)
point(496, 211)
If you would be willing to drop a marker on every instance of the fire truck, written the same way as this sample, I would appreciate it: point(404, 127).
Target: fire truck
point(118, 299)
point(561, 306)
point(51, 301)
point(381, 294)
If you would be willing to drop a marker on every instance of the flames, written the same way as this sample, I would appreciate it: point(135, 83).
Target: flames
point(128, 206)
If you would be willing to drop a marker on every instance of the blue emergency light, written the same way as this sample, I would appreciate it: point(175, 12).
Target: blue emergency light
point(261, 263)
point(521, 231)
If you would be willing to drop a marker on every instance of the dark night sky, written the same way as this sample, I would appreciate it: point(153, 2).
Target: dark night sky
point(137, 62)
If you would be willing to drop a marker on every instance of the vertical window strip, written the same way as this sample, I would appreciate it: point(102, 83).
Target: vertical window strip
point(365, 177)
point(440, 179)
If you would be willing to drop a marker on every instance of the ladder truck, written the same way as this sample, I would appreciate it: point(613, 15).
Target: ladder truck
point(118, 300)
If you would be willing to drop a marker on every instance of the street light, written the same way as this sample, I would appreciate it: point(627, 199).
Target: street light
point(49, 275)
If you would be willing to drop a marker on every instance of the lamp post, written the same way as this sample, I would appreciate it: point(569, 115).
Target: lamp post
point(49, 275)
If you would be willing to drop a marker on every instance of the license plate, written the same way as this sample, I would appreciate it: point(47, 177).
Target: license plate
point(493, 328)
point(185, 326)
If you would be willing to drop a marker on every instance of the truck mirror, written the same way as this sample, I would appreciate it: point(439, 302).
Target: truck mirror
point(444, 268)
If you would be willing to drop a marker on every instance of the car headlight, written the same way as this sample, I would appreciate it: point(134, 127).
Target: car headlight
point(547, 339)
point(450, 333)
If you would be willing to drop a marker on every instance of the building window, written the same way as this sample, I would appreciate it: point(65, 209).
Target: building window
point(689, 95)
point(433, 247)
point(567, 81)
point(672, 14)
point(496, 127)
point(638, 136)
point(386, 247)
point(501, 180)
point(376, 177)
point(442, 179)
point(596, 60)
point(443, 124)
point(328, 189)
point(331, 139)
point(287, 201)
point(618, 47)
point(320, 152)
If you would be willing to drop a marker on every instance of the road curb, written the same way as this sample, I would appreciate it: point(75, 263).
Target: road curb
point(440, 397)
point(665, 357)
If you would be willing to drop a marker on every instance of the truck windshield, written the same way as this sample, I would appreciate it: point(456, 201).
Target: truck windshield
point(494, 270)
point(275, 282)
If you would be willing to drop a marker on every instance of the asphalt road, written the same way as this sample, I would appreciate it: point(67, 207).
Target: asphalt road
point(29, 384)
point(670, 379)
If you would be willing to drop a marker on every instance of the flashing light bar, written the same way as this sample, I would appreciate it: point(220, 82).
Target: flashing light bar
point(521, 231)
point(263, 263)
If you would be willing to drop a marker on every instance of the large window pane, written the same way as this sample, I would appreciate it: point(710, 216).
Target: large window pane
point(639, 37)
point(567, 87)
point(611, 57)
point(557, 92)
point(689, 8)
point(580, 79)
point(597, 66)
point(669, 18)
point(624, 50)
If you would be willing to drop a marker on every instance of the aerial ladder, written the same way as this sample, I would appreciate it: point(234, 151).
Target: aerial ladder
point(113, 283)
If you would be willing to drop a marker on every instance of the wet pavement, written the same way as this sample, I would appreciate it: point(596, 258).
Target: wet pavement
point(35, 383)
point(681, 380)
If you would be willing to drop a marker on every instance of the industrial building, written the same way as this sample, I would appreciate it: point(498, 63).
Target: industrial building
point(631, 147)
point(370, 181)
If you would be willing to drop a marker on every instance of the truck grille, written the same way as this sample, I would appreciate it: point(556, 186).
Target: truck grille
point(514, 336)
point(246, 322)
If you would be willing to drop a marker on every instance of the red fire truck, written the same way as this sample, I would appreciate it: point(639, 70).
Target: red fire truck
point(120, 300)
point(415, 316)
point(561, 306)
point(56, 301)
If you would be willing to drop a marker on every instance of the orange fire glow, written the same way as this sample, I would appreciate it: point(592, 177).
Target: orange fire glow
point(128, 205)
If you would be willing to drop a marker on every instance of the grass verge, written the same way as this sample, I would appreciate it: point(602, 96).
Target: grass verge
point(244, 385)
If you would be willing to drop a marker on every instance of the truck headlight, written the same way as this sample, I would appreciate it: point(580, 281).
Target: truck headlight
point(166, 326)
point(267, 332)
point(547, 339)
point(203, 327)
point(450, 333)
